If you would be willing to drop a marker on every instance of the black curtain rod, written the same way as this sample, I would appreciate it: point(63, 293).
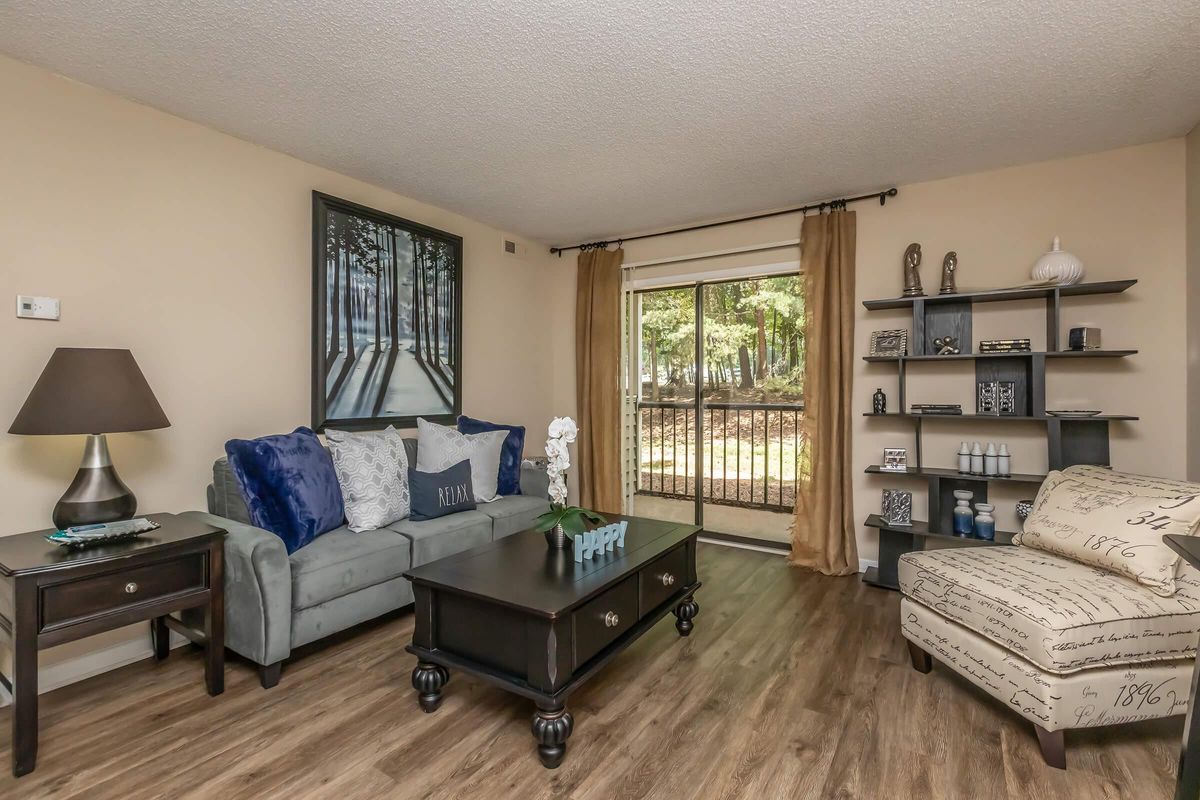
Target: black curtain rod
point(819, 207)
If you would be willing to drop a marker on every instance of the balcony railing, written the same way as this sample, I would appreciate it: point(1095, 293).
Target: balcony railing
point(750, 456)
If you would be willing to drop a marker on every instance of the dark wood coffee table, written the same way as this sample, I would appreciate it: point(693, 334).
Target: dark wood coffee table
point(534, 622)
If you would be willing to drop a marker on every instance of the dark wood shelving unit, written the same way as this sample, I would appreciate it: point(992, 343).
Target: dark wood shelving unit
point(996, 295)
point(1003, 417)
point(1069, 440)
point(937, 472)
point(1028, 354)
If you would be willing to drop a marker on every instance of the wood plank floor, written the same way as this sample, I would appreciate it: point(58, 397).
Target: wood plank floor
point(791, 686)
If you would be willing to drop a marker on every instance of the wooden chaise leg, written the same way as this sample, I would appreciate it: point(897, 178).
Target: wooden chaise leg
point(921, 661)
point(1054, 746)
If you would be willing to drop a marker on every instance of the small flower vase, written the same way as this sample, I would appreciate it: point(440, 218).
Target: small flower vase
point(964, 521)
point(556, 538)
point(879, 402)
point(985, 523)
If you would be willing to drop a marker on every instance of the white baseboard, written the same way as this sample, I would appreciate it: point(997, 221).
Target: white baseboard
point(863, 563)
point(743, 546)
point(73, 670)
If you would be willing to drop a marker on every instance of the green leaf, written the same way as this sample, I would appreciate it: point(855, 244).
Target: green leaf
point(572, 525)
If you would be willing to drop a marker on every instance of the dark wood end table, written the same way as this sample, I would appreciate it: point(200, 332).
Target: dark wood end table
point(535, 622)
point(50, 595)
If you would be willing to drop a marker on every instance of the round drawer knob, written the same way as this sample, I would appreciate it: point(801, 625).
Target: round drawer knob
point(611, 620)
point(130, 587)
point(668, 579)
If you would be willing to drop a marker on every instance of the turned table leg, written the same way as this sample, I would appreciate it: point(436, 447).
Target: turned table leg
point(685, 612)
point(552, 725)
point(428, 679)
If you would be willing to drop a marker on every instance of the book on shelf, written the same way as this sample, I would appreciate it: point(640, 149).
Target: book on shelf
point(1004, 346)
point(935, 408)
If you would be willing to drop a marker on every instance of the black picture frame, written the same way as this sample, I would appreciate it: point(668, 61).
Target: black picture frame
point(352, 392)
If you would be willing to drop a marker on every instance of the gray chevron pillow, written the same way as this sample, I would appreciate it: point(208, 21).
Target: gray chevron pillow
point(372, 470)
point(440, 447)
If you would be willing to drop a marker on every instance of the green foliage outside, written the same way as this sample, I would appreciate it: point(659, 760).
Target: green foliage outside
point(753, 342)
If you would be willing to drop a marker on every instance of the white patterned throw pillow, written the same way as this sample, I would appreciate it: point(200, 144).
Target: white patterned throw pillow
point(372, 470)
point(440, 447)
point(1114, 521)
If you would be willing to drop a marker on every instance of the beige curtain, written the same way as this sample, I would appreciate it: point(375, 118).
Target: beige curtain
point(824, 526)
point(597, 368)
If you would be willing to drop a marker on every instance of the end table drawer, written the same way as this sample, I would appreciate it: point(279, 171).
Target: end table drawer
point(64, 603)
point(663, 578)
point(603, 619)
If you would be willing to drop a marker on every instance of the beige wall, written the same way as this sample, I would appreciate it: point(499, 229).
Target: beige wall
point(1193, 301)
point(192, 248)
point(1121, 211)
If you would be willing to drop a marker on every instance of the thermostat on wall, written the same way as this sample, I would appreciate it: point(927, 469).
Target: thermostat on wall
point(30, 307)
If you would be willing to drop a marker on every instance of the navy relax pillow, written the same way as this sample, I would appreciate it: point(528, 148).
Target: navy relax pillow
point(436, 494)
point(289, 485)
point(509, 479)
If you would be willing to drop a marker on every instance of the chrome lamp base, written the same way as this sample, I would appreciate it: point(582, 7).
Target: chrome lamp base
point(97, 494)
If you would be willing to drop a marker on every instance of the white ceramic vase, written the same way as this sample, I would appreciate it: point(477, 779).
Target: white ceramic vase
point(1059, 266)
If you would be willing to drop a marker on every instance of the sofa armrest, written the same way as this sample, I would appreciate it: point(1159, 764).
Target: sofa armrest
point(258, 590)
point(534, 481)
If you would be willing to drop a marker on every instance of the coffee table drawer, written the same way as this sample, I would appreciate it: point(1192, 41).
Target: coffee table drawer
point(663, 577)
point(64, 603)
point(600, 621)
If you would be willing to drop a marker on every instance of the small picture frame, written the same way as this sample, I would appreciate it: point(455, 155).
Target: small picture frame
point(896, 508)
point(987, 398)
point(895, 459)
point(889, 343)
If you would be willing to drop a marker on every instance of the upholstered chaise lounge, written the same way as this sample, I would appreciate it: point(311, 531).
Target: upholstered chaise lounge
point(1067, 644)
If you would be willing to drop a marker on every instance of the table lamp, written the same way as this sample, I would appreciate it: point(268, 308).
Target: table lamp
point(92, 391)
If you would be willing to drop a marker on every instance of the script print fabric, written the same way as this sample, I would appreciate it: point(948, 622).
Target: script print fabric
point(1060, 615)
point(1114, 521)
point(372, 470)
point(1084, 699)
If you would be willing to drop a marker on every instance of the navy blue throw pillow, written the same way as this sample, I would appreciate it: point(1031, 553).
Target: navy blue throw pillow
point(289, 485)
point(509, 479)
point(436, 494)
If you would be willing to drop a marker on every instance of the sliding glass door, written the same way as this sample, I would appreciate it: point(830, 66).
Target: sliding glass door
point(719, 403)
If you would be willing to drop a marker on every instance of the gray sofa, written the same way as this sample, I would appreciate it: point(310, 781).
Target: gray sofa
point(275, 603)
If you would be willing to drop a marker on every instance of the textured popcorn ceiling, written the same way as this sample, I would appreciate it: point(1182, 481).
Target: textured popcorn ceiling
point(567, 120)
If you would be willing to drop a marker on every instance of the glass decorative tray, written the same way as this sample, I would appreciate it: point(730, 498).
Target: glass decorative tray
point(83, 536)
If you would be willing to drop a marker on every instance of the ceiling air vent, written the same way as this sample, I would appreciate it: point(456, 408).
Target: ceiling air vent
point(510, 246)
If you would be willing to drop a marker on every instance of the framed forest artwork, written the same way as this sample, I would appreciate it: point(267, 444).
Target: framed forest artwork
point(387, 319)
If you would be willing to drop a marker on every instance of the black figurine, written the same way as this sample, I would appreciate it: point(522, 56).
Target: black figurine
point(879, 402)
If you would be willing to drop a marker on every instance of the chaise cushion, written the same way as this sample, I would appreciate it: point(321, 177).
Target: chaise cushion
point(1115, 521)
point(515, 513)
point(342, 561)
point(444, 536)
point(1060, 615)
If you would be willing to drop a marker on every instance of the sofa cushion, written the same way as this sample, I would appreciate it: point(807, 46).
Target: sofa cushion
point(1114, 521)
point(441, 447)
point(508, 481)
point(437, 494)
point(289, 485)
point(437, 538)
point(342, 561)
point(1060, 615)
point(372, 470)
point(516, 513)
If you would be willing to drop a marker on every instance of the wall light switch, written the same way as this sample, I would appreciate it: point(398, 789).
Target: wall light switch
point(30, 307)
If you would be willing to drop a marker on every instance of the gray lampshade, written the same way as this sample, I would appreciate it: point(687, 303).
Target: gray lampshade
point(89, 390)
